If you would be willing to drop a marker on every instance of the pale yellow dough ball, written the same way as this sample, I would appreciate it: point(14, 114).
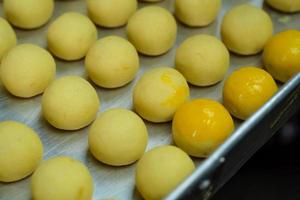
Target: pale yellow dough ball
point(28, 14)
point(20, 151)
point(197, 12)
point(70, 103)
point(26, 70)
point(111, 13)
point(245, 29)
point(8, 37)
point(288, 6)
point(160, 170)
point(159, 93)
point(118, 137)
point(152, 30)
point(62, 178)
point(202, 59)
point(112, 62)
point(71, 35)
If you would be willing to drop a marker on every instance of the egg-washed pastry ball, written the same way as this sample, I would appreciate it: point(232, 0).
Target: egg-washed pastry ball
point(160, 170)
point(246, 90)
point(8, 37)
point(20, 151)
point(281, 55)
point(111, 13)
point(152, 30)
point(197, 13)
point(61, 178)
point(70, 103)
point(26, 70)
point(202, 59)
point(28, 14)
point(112, 62)
point(200, 126)
point(246, 29)
point(118, 137)
point(71, 35)
point(288, 6)
point(159, 93)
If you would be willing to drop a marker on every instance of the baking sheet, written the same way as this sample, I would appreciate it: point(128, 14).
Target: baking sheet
point(111, 182)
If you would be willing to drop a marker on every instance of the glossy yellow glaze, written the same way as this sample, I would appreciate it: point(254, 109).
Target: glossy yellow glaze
point(201, 125)
point(180, 91)
point(281, 55)
point(246, 90)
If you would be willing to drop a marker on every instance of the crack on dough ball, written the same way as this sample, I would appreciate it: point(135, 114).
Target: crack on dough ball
point(70, 36)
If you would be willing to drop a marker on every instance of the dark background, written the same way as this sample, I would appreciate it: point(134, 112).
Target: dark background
point(272, 173)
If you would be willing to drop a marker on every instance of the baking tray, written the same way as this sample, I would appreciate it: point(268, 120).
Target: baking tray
point(118, 182)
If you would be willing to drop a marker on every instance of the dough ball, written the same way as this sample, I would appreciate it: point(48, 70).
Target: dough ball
point(159, 93)
point(62, 178)
point(118, 137)
point(20, 151)
point(200, 126)
point(281, 55)
point(246, 90)
point(8, 37)
point(111, 13)
point(70, 103)
point(152, 30)
point(202, 59)
point(197, 12)
point(28, 14)
point(245, 29)
point(26, 70)
point(288, 6)
point(71, 35)
point(160, 170)
point(112, 62)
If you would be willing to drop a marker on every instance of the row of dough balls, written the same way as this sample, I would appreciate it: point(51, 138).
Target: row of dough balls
point(156, 95)
point(30, 14)
point(72, 34)
point(109, 143)
point(61, 177)
point(66, 42)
